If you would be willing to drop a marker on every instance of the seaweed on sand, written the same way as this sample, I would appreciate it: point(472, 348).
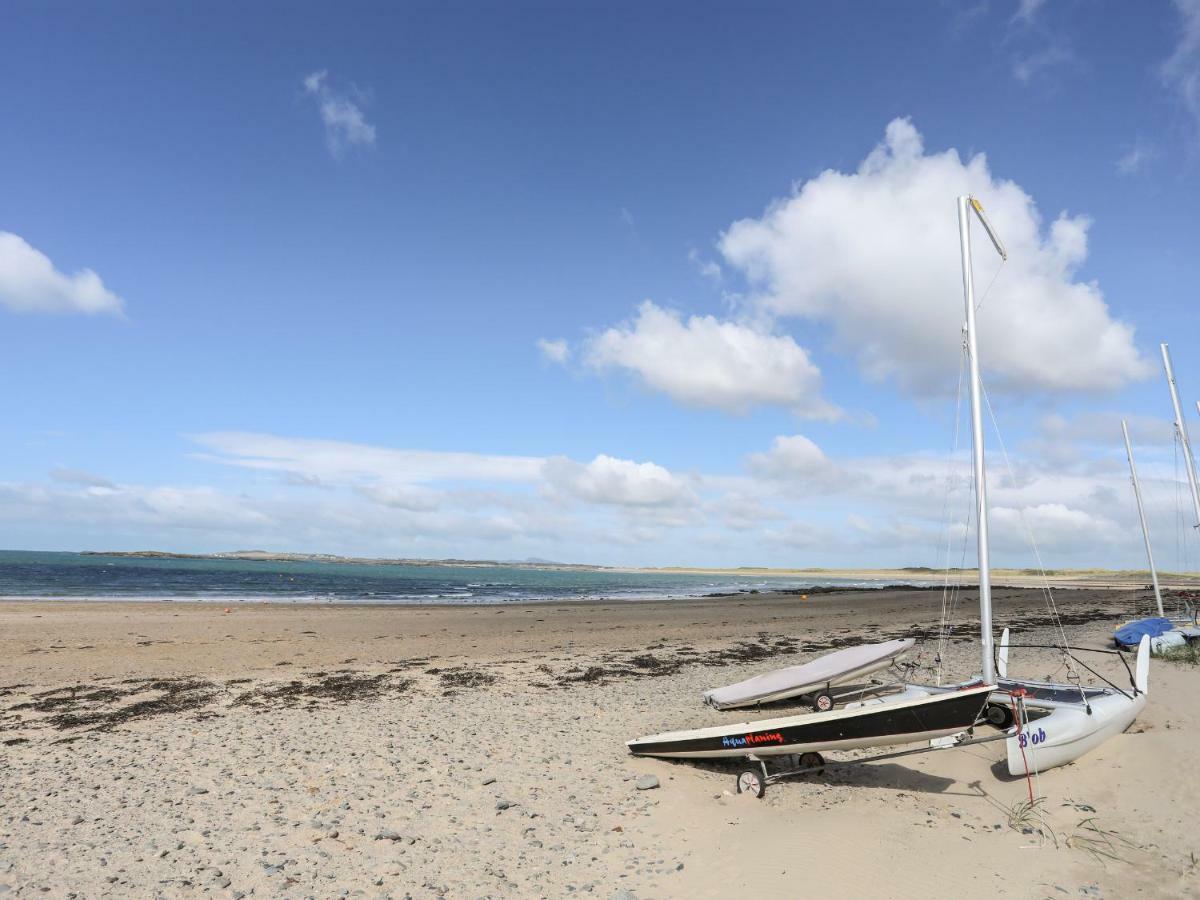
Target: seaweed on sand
point(337, 688)
point(453, 679)
point(94, 712)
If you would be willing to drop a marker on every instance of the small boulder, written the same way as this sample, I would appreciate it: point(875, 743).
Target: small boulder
point(647, 782)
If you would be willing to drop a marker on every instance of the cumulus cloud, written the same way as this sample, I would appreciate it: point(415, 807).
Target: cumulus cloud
point(874, 253)
point(620, 482)
point(345, 122)
point(30, 283)
point(704, 361)
point(1181, 70)
point(554, 351)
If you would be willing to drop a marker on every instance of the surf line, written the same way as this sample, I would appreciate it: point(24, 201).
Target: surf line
point(749, 740)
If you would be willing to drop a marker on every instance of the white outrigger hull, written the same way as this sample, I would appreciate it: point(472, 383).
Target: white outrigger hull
point(1061, 729)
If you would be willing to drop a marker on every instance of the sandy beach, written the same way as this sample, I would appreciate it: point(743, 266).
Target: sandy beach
point(179, 749)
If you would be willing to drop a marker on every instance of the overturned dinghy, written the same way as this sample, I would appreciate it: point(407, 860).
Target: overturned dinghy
point(816, 679)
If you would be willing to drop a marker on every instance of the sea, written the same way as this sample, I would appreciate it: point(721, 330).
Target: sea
point(77, 576)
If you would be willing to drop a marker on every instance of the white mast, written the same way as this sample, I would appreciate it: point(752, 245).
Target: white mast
point(1137, 493)
point(1181, 429)
point(965, 206)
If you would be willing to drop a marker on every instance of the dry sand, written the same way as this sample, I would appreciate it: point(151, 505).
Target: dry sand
point(171, 749)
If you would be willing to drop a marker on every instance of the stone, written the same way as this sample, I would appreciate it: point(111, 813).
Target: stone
point(647, 782)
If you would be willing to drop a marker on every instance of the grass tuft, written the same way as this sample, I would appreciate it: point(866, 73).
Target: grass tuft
point(1185, 655)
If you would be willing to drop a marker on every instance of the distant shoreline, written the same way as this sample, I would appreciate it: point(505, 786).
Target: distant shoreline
point(1091, 578)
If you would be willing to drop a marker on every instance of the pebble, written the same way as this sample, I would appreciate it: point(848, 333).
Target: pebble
point(505, 804)
point(389, 835)
point(489, 780)
point(647, 783)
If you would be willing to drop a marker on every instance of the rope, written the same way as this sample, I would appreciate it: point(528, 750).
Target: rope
point(947, 594)
point(1037, 553)
point(1017, 701)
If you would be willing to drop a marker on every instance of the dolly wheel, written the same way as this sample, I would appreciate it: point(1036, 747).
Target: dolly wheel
point(812, 761)
point(750, 781)
point(999, 716)
point(823, 702)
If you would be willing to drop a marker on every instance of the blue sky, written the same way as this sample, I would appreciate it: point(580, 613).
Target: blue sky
point(568, 280)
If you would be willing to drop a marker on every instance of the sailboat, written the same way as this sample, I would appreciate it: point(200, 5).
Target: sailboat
point(1164, 632)
point(1069, 721)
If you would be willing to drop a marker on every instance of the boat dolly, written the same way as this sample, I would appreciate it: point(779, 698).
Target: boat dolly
point(754, 780)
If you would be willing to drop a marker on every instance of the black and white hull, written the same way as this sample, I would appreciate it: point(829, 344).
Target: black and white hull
point(910, 717)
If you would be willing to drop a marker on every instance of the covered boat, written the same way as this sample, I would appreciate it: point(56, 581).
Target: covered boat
point(816, 678)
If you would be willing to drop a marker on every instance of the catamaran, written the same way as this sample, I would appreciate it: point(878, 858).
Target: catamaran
point(1069, 720)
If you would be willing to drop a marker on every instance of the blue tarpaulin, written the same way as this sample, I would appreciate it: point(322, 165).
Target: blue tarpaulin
point(1129, 634)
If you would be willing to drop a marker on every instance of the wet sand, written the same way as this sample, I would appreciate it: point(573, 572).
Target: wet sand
point(171, 749)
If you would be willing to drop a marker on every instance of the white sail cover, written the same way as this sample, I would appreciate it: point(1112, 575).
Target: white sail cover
point(825, 671)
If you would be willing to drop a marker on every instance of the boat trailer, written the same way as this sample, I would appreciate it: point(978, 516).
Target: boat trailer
point(754, 780)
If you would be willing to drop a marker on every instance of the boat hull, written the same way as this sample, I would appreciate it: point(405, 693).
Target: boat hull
point(1068, 731)
point(874, 724)
point(820, 674)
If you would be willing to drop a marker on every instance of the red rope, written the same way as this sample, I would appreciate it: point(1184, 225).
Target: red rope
point(1020, 692)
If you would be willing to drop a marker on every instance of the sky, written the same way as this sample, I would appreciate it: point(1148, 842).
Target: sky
point(619, 283)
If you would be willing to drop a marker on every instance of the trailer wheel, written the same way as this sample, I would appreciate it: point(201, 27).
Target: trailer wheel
point(750, 781)
point(812, 760)
point(999, 716)
point(823, 702)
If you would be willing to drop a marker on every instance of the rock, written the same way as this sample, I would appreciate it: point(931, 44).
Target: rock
point(502, 805)
point(647, 783)
point(389, 835)
point(489, 780)
point(623, 895)
point(197, 790)
point(78, 820)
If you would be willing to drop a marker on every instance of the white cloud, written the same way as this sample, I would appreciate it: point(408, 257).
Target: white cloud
point(875, 254)
point(30, 283)
point(708, 362)
point(1181, 71)
point(342, 462)
point(1136, 158)
point(554, 351)
point(620, 482)
point(708, 269)
point(793, 456)
point(345, 123)
point(1027, 11)
point(1029, 66)
point(79, 476)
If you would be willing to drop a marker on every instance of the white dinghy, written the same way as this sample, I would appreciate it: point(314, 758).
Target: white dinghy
point(1062, 722)
point(816, 680)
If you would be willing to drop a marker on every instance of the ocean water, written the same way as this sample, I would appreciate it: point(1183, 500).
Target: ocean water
point(74, 576)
